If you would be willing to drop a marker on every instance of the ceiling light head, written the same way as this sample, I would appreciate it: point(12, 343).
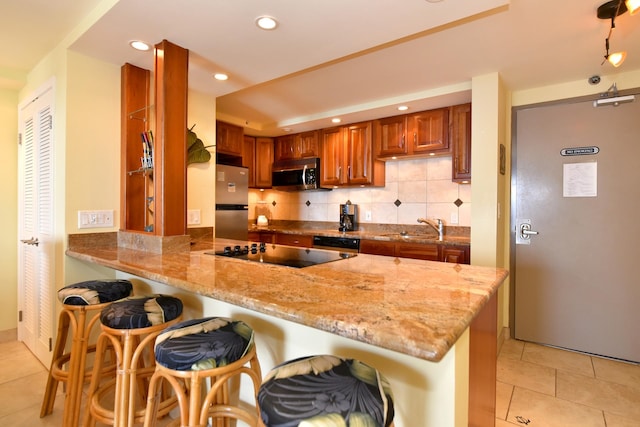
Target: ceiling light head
point(611, 9)
point(336, 120)
point(220, 76)
point(139, 45)
point(403, 108)
point(617, 58)
point(266, 22)
point(632, 6)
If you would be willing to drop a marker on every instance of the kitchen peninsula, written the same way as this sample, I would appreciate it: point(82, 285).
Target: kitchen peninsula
point(413, 320)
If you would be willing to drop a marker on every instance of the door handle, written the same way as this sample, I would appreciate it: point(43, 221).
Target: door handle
point(524, 232)
point(31, 241)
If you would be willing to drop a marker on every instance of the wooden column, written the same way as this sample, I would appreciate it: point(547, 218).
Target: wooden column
point(170, 173)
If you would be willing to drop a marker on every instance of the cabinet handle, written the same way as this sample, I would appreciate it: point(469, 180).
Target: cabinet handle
point(402, 141)
point(339, 173)
point(349, 172)
point(415, 138)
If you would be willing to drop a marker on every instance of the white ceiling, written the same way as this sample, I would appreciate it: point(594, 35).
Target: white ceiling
point(357, 59)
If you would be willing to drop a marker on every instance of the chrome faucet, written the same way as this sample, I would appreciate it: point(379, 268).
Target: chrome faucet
point(439, 228)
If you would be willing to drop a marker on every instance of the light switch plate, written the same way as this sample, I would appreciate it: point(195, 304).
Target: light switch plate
point(95, 219)
point(193, 216)
point(454, 218)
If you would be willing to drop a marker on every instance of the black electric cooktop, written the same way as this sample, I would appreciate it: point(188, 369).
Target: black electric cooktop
point(282, 255)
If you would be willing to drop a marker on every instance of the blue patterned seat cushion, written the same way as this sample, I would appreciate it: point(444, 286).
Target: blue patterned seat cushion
point(141, 312)
point(94, 292)
point(323, 391)
point(205, 343)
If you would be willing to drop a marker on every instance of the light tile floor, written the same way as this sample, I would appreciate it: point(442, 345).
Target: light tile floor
point(537, 387)
point(548, 387)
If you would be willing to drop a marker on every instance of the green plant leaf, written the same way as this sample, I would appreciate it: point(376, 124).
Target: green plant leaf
point(196, 151)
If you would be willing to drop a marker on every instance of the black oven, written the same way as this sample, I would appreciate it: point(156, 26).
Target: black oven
point(296, 174)
point(343, 244)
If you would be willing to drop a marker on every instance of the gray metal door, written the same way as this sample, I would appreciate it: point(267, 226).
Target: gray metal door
point(576, 176)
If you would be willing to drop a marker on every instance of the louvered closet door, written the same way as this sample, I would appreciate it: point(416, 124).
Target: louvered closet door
point(36, 234)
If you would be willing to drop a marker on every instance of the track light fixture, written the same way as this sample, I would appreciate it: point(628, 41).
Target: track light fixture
point(610, 10)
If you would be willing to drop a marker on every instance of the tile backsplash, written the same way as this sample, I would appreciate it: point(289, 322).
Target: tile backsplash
point(416, 188)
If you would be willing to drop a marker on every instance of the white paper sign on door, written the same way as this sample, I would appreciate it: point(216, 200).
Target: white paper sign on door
point(580, 179)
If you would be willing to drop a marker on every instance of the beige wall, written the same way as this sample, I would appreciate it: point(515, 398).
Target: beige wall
point(8, 208)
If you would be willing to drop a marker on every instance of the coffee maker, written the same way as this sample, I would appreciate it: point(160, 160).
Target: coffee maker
point(348, 217)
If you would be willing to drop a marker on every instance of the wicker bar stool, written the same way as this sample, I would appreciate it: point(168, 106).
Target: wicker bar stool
point(325, 390)
point(214, 348)
point(130, 327)
point(78, 301)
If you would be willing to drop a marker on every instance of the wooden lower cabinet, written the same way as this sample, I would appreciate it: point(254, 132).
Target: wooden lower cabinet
point(425, 251)
point(261, 236)
point(483, 356)
point(377, 247)
point(455, 254)
point(293, 240)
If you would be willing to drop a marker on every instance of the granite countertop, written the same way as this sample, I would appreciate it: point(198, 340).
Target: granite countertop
point(456, 236)
point(415, 307)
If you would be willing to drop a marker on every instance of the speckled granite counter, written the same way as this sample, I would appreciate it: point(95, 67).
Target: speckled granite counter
point(418, 308)
point(384, 232)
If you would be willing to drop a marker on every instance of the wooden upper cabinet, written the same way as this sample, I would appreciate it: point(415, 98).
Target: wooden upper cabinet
point(391, 136)
point(248, 158)
point(308, 143)
point(258, 157)
point(418, 134)
point(428, 131)
point(347, 157)
point(285, 147)
point(263, 162)
point(332, 156)
point(229, 138)
point(297, 146)
point(460, 132)
point(359, 153)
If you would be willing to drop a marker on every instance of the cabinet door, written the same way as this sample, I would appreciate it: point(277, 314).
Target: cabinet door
point(307, 143)
point(332, 157)
point(429, 131)
point(417, 251)
point(360, 155)
point(294, 240)
point(461, 142)
point(391, 134)
point(263, 162)
point(248, 159)
point(455, 254)
point(377, 247)
point(229, 139)
point(285, 147)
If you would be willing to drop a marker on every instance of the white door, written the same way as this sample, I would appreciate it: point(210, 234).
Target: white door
point(576, 179)
point(35, 209)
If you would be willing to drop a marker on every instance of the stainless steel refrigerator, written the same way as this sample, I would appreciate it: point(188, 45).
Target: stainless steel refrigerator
point(232, 202)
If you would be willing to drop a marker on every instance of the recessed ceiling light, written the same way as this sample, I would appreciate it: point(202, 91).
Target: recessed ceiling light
point(266, 22)
point(139, 45)
point(220, 76)
point(402, 108)
point(336, 120)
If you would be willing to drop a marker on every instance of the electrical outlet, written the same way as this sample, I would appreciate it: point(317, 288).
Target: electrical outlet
point(367, 215)
point(454, 217)
point(193, 216)
point(95, 219)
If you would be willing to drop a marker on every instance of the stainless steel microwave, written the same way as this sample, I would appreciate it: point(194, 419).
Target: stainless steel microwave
point(296, 174)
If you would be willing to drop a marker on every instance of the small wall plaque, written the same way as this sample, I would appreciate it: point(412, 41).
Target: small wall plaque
point(580, 151)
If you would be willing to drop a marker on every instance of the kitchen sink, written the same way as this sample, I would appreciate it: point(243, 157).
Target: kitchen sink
point(411, 236)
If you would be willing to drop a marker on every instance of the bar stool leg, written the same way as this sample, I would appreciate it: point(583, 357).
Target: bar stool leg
point(58, 351)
